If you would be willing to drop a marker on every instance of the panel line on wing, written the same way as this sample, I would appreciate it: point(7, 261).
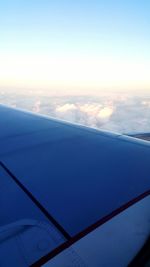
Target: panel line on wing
point(37, 203)
point(88, 230)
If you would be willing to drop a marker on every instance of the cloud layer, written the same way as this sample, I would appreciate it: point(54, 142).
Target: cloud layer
point(114, 112)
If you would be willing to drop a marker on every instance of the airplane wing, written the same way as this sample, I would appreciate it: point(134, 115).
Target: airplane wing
point(144, 136)
point(70, 195)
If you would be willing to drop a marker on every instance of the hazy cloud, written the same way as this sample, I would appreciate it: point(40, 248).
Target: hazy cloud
point(36, 107)
point(114, 112)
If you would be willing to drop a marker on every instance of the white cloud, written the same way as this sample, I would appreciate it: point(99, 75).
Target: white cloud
point(66, 107)
point(114, 112)
point(146, 103)
point(36, 107)
point(106, 112)
point(90, 109)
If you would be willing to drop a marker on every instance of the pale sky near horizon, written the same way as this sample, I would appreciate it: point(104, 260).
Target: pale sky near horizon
point(75, 44)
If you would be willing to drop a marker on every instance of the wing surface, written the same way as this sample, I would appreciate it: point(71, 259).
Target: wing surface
point(73, 171)
point(144, 136)
point(69, 176)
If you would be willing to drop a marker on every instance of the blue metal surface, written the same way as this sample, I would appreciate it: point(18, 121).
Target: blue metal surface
point(15, 205)
point(113, 244)
point(14, 123)
point(79, 175)
point(23, 227)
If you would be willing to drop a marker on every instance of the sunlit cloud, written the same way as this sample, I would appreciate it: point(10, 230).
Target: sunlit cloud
point(90, 114)
point(105, 112)
point(66, 107)
point(90, 109)
point(109, 112)
point(146, 103)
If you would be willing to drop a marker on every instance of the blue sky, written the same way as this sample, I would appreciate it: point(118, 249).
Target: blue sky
point(84, 44)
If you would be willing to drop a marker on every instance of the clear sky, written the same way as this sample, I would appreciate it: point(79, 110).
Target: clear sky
point(75, 44)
